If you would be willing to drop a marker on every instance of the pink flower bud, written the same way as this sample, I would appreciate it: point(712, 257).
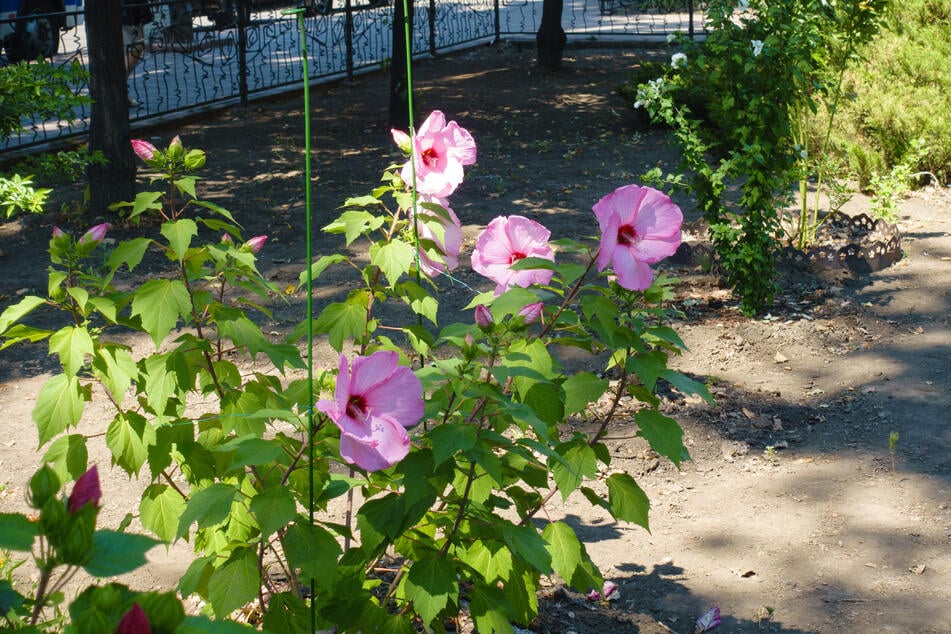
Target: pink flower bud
point(57, 232)
point(176, 141)
point(483, 318)
point(134, 621)
point(95, 234)
point(226, 239)
point(532, 312)
point(143, 149)
point(85, 490)
point(403, 140)
point(256, 243)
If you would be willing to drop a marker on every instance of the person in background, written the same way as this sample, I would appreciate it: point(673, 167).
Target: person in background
point(135, 15)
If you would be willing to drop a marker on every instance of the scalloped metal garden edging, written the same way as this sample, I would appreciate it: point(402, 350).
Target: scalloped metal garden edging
point(857, 244)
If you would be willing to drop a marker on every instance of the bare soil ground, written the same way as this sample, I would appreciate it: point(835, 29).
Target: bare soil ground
point(790, 516)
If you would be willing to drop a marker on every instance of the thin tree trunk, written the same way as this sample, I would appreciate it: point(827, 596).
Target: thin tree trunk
point(109, 117)
point(399, 102)
point(551, 37)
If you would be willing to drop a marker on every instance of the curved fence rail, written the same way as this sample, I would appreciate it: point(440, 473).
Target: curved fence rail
point(211, 53)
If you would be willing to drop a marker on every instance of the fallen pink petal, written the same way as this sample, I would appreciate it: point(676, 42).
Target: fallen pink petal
point(709, 621)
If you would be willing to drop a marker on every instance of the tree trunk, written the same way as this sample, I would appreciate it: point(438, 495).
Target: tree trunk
point(551, 38)
point(399, 82)
point(109, 117)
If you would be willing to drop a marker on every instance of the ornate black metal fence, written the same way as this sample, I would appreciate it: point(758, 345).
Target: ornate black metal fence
point(206, 54)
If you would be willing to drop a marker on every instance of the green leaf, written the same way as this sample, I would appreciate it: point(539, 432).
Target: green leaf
point(354, 223)
point(490, 610)
point(581, 389)
point(251, 450)
point(492, 560)
point(431, 585)
point(116, 368)
point(128, 438)
point(68, 456)
point(312, 549)
point(627, 501)
point(196, 576)
point(273, 508)
point(159, 304)
point(235, 583)
point(527, 545)
point(422, 302)
point(687, 385)
point(72, 344)
point(144, 201)
point(208, 507)
point(128, 252)
point(663, 433)
point(452, 437)
point(160, 510)
point(648, 366)
point(11, 600)
point(203, 625)
point(318, 267)
point(179, 234)
point(115, 553)
point(18, 311)
point(578, 462)
point(287, 614)
point(393, 258)
point(548, 401)
point(343, 321)
point(17, 532)
point(59, 406)
point(569, 558)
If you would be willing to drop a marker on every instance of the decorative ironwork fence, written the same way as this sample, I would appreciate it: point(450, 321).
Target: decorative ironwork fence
point(207, 54)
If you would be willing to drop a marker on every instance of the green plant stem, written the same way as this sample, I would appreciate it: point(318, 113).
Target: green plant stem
point(45, 574)
point(570, 296)
point(198, 329)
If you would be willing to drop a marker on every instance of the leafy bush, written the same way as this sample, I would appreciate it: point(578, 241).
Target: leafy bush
point(900, 94)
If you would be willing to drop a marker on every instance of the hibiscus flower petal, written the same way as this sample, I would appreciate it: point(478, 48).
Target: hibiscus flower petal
point(632, 274)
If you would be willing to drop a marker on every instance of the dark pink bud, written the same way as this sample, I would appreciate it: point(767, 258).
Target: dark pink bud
point(483, 317)
point(532, 312)
point(134, 621)
point(256, 243)
point(143, 149)
point(85, 490)
point(95, 234)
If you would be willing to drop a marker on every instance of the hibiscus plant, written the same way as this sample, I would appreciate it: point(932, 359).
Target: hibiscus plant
point(414, 480)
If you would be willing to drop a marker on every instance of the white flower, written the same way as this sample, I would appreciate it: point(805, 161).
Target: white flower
point(678, 60)
point(757, 47)
point(671, 37)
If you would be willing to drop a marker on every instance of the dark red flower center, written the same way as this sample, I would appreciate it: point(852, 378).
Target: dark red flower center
point(430, 157)
point(356, 407)
point(627, 235)
point(516, 256)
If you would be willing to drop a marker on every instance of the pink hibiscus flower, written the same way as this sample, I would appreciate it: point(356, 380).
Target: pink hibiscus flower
point(444, 233)
point(505, 241)
point(440, 151)
point(373, 404)
point(639, 226)
point(143, 149)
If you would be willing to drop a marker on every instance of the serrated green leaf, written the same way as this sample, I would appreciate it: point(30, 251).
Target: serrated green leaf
point(59, 405)
point(394, 258)
point(235, 583)
point(340, 321)
point(195, 578)
point(492, 560)
point(627, 501)
point(662, 432)
point(452, 437)
point(312, 549)
point(159, 304)
point(11, 600)
point(422, 302)
point(203, 625)
point(687, 385)
point(431, 584)
point(490, 610)
point(80, 296)
point(578, 462)
point(128, 438)
point(72, 344)
point(128, 252)
point(208, 507)
point(18, 311)
point(241, 331)
point(353, 224)
point(179, 234)
point(581, 389)
point(548, 402)
point(526, 544)
point(17, 532)
point(116, 368)
point(569, 558)
point(648, 366)
point(274, 508)
point(319, 267)
point(68, 456)
point(144, 201)
point(115, 553)
point(160, 509)
point(287, 614)
point(216, 208)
